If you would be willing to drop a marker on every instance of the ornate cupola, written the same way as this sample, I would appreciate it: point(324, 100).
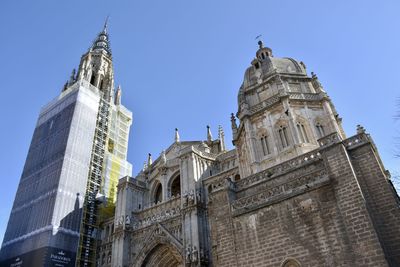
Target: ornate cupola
point(96, 66)
point(282, 112)
point(263, 52)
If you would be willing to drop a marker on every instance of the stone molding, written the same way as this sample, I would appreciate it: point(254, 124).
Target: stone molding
point(356, 141)
point(285, 167)
point(280, 192)
point(159, 213)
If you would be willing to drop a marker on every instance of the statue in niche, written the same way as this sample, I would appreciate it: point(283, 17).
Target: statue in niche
point(185, 199)
point(195, 254)
point(127, 220)
point(198, 196)
point(188, 254)
point(191, 197)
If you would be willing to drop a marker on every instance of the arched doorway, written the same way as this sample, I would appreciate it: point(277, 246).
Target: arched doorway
point(163, 255)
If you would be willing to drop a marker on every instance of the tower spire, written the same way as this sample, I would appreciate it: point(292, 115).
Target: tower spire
point(105, 27)
point(101, 42)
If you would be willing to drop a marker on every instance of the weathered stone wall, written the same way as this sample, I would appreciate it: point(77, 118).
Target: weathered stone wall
point(382, 201)
point(311, 209)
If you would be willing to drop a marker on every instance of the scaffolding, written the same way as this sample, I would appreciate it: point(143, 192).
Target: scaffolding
point(86, 254)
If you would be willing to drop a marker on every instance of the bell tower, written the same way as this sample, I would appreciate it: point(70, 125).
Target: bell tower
point(96, 65)
point(282, 112)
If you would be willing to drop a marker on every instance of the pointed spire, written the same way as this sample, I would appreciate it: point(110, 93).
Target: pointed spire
point(221, 137)
point(209, 135)
point(102, 42)
point(118, 94)
point(177, 138)
point(149, 160)
point(105, 27)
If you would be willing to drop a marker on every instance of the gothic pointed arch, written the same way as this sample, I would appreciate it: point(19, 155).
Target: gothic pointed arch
point(283, 133)
point(160, 247)
point(291, 263)
point(174, 185)
point(163, 255)
point(157, 194)
point(303, 130)
point(321, 127)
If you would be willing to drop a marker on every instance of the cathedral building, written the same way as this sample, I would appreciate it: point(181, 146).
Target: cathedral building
point(295, 191)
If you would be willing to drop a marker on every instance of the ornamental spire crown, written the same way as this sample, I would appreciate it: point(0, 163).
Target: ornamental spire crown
point(102, 42)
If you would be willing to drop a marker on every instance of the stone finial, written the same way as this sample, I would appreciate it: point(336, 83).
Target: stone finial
point(233, 122)
point(163, 158)
point(177, 137)
point(118, 94)
point(360, 129)
point(315, 82)
point(149, 160)
point(65, 86)
point(209, 135)
point(260, 44)
point(221, 137)
point(144, 166)
point(72, 77)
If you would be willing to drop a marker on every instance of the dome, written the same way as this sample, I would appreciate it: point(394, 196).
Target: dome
point(261, 69)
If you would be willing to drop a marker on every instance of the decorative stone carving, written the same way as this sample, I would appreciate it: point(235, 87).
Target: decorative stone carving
point(281, 191)
point(330, 139)
point(194, 255)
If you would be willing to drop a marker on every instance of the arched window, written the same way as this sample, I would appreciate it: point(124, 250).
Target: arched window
point(291, 263)
point(158, 194)
point(101, 84)
point(176, 186)
point(103, 259)
point(302, 133)
point(283, 136)
point(92, 79)
point(320, 130)
point(265, 145)
point(237, 177)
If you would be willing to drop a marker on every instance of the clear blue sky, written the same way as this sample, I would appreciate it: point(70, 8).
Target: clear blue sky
point(181, 63)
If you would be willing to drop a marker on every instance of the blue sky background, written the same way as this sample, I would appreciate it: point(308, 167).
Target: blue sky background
point(181, 63)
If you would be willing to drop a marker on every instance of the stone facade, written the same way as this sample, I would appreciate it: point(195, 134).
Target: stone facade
point(293, 192)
